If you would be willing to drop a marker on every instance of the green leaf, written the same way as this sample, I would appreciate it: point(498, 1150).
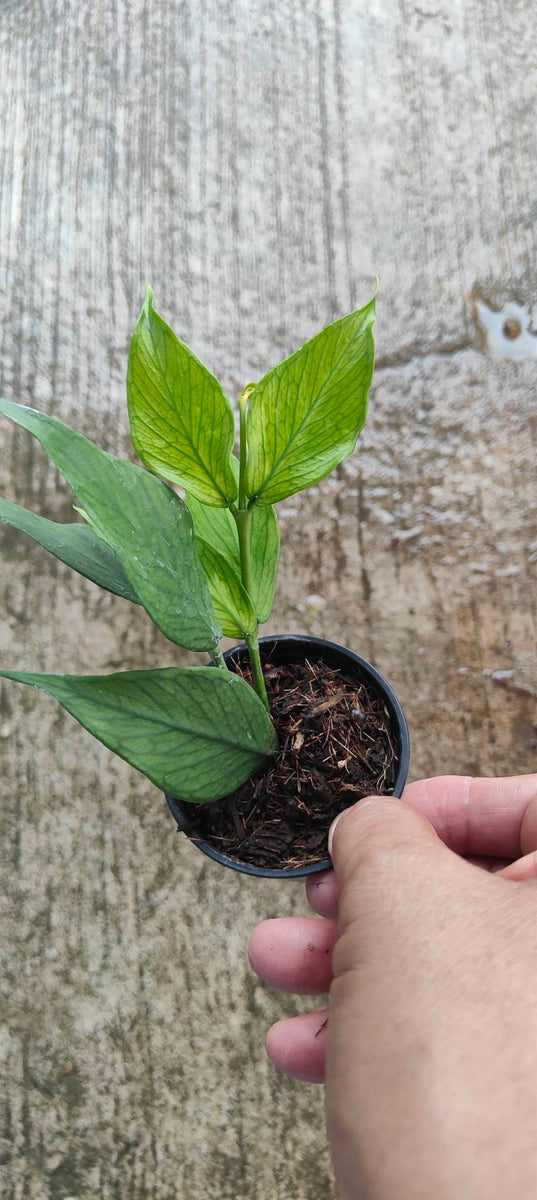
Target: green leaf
point(75, 545)
point(232, 604)
point(181, 422)
point(146, 525)
point(196, 732)
point(217, 528)
point(265, 549)
point(304, 417)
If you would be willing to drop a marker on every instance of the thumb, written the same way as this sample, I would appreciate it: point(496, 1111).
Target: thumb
point(379, 832)
point(389, 864)
point(526, 867)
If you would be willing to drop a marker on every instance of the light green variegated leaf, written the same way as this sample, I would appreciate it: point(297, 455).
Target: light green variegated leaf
point(304, 417)
point(265, 547)
point(146, 525)
point(196, 732)
point(181, 422)
point(217, 527)
point(232, 604)
point(75, 545)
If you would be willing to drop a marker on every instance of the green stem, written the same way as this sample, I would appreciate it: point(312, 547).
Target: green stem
point(243, 519)
point(242, 513)
point(218, 658)
point(259, 678)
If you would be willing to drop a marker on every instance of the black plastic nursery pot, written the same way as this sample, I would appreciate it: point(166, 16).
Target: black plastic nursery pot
point(295, 649)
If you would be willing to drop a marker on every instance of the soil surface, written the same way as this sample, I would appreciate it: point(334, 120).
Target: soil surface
point(336, 746)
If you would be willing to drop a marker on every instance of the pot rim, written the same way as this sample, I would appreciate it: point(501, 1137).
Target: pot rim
point(399, 719)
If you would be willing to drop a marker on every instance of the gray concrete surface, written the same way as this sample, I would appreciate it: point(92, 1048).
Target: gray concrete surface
point(258, 164)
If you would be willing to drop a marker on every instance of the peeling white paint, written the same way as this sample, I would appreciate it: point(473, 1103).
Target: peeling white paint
point(507, 331)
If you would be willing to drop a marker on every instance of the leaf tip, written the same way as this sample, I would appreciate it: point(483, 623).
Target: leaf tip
point(147, 307)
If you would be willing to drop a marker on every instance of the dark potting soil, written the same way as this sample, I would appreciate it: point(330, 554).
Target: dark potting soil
point(336, 746)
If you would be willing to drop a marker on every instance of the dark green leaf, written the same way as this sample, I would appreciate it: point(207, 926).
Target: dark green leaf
point(181, 421)
point(196, 732)
point(232, 604)
point(146, 525)
point(304, 417)
point(75, 545)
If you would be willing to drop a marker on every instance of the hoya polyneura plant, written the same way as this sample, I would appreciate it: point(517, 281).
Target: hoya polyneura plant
point(203, 566)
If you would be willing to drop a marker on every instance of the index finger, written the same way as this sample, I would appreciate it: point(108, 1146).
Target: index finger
point(472, 817)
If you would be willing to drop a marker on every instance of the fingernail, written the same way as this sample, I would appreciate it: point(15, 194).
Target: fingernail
point(332, 829)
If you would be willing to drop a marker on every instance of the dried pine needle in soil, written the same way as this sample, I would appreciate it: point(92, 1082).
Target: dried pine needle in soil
point(336, 746)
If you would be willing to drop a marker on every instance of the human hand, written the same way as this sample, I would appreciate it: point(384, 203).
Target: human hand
point(431, 1046)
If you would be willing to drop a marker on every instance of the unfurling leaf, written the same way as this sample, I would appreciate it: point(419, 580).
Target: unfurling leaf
point(196, 732)
point(147, 526)
point(181, 421)
point(75, 545)
point(304, 417)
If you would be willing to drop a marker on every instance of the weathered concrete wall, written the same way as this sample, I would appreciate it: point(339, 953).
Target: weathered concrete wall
point(259, 164)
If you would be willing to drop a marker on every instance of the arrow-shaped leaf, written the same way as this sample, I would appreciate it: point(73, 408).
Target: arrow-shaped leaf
point(216, 527)
point(196, 732)
point(265, 550)
point(147, 526)
point(304, 417)
point(181, 422)
point(232, 604)
point(75, 545)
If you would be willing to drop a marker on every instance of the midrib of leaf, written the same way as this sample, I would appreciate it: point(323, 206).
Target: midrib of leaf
point(220, 603)
point(127, 476)
point(186, 433)
point(286, 451)
point(115, 508)
point(181, 727)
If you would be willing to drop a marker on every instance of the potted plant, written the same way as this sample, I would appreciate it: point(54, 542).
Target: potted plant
point(258, 792)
